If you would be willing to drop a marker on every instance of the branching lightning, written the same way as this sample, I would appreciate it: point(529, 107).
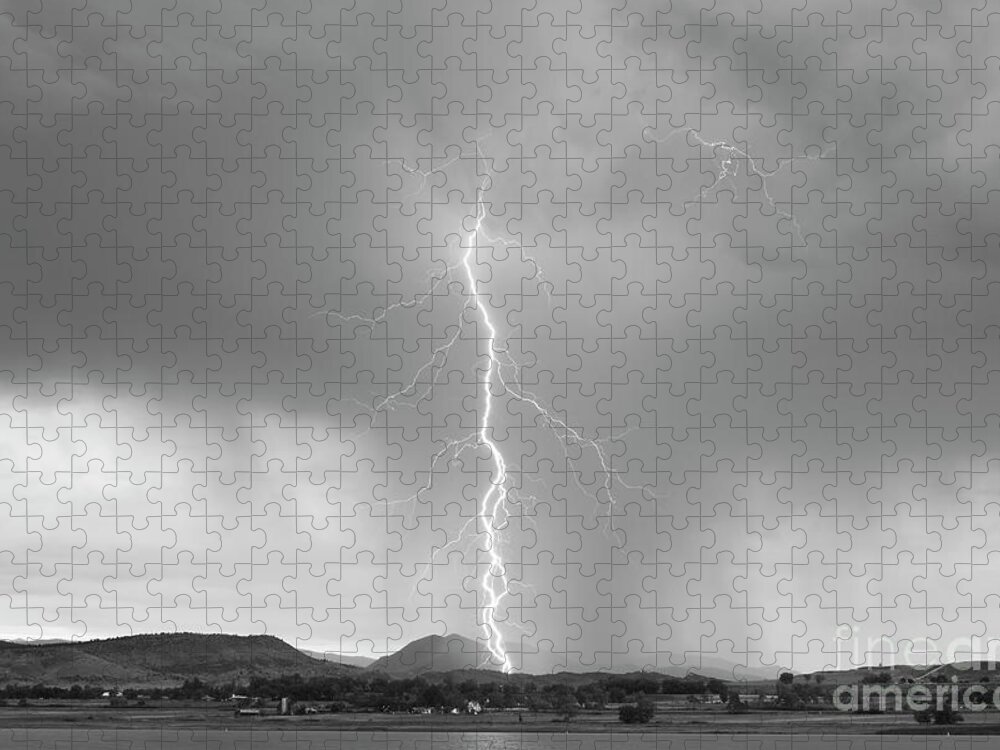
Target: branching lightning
point(501, 378)
point(729, 161)
point(494, 501)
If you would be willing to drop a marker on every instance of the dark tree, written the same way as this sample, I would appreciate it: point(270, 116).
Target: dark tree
point(718, 687)
point(432, 695)
point(637, 713)
point(735, 705)
point(567, 706)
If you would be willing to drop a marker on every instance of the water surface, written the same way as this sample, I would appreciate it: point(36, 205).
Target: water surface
point(218, 739)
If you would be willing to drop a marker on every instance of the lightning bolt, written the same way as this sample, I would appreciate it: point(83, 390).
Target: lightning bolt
point(493, 508)
point(729, 162)
point(499, 379)
point(493, 505)
point(494, 580)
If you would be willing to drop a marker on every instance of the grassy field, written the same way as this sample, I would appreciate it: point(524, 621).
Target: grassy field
point(178, 715)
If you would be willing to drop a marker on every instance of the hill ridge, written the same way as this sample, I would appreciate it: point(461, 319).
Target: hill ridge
point(158, 659)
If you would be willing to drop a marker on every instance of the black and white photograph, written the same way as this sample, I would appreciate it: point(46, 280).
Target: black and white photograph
point(476, 374)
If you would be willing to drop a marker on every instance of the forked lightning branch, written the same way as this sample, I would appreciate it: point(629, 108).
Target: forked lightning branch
point(494, 500)
point(497, 377)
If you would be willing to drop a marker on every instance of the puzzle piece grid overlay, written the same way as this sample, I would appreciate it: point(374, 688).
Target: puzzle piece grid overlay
point(740, 267)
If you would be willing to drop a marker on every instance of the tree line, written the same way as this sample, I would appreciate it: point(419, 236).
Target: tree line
point(374, 691)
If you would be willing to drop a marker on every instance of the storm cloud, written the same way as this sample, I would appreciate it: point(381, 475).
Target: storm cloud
point(741, 263)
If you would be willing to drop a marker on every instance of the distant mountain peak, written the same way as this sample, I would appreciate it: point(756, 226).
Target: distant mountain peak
point(436, 653)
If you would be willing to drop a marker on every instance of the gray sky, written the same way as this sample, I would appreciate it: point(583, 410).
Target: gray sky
point(741, 269)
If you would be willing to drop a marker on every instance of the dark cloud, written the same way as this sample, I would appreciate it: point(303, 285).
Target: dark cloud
point(740, 267)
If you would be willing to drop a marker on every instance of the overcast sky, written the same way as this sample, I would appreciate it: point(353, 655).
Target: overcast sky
point(741, 268)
